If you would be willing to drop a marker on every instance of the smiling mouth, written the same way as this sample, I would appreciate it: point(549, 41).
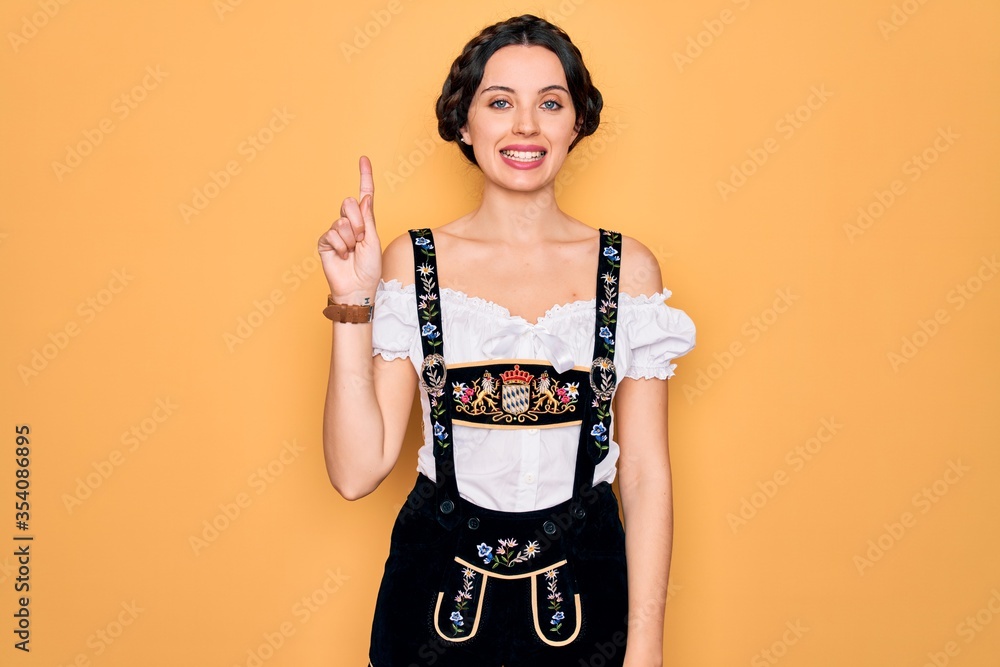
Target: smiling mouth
point(523, 156)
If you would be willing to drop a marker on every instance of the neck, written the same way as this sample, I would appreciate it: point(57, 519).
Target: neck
point(518, 217)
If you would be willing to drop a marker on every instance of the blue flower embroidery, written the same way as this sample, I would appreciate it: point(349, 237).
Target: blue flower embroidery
point(605, 333)
point(424, 242)
point(611, 252)
point(558, 616)
point(485, 552)
point(456, 618)
point(430, 331)
point(598, 431)
point(439, 431)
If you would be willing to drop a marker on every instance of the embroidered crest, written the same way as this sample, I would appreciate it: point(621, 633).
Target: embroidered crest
point(516, 389)
point(515, 395)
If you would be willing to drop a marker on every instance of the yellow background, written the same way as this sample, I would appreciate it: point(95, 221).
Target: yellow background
point(693, 91)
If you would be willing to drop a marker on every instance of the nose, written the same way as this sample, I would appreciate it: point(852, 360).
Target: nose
point(525, 123)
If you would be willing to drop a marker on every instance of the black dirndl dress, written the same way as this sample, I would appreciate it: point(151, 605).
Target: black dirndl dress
point(474, 587)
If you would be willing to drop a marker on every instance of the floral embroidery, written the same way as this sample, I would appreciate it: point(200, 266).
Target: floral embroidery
point(555, 600)
point(516, 395)
point(433, 369)
point(462, 392)
point(507, 554)
point(425, 304)
point(462, 600)
point(609, 302)
point(603, 376)
point(438, 412)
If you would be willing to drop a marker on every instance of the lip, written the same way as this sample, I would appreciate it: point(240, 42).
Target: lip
point(527, 148)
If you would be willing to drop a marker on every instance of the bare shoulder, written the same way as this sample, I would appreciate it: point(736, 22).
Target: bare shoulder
point(640, 271)
point(397, 260)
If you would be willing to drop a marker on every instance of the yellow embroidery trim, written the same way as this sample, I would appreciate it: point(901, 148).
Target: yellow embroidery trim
point(475, 624)
point(534, 615)
point(489, 573)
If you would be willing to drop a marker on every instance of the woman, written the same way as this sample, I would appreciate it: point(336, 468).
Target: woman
point(509, 550)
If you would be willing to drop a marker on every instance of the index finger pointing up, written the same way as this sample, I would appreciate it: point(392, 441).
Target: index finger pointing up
point(367, 184)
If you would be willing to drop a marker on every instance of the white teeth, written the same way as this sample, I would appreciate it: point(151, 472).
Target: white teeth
point(523, 156)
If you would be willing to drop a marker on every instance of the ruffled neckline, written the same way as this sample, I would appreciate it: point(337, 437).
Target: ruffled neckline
point(495, 309)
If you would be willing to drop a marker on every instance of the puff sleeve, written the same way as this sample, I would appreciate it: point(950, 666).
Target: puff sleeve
point(657, 334)
point(394, 322)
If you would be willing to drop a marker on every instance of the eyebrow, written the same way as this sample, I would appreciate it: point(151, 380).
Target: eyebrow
point(507, 89)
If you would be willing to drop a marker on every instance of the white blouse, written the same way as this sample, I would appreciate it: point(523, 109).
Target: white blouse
point(523, 469)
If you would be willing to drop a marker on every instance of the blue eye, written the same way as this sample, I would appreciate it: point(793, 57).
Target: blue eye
point(494, 104)
point(555, 105)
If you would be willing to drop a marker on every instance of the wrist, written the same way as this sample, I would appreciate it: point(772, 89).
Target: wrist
point(353, 298)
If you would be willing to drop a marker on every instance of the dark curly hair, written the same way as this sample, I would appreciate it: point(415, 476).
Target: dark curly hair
point(467, 73)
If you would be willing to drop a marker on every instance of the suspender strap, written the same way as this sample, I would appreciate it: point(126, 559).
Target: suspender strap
point(595, 429)
point(433, 374)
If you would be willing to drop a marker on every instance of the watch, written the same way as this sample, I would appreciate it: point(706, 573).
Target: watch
point(353, 314)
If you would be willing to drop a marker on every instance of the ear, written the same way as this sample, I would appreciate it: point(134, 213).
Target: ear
point(463, 135)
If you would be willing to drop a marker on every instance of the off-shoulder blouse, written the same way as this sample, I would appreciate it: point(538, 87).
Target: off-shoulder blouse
point(524, 469)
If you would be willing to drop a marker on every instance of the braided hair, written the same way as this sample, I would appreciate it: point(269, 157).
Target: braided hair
point(467, 73)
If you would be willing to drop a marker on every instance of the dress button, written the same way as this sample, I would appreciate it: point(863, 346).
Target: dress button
point(532, 431)
point(578, 512)
point(549, 528)
point(447, 507)
point(473, 523)
point(529, 478)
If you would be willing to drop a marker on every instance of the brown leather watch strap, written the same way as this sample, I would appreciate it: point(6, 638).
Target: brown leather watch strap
point(353, 314)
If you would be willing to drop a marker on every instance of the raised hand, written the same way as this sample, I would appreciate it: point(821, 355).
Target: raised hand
point(350, 250)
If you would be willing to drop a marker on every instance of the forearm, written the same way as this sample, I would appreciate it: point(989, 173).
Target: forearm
point(647, 505)
point(353, 427)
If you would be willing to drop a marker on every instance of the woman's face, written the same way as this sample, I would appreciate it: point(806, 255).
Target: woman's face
point(521, 120)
